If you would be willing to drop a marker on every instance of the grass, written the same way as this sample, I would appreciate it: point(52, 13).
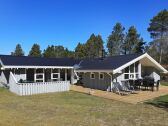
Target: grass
point(161, 102)
point(75, 109)
point(164, 83)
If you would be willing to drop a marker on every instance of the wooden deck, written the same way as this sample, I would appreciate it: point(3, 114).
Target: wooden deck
point(139, 97)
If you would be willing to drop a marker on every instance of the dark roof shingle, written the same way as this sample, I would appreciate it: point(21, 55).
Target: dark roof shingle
point(36, 61)
point(108, 63)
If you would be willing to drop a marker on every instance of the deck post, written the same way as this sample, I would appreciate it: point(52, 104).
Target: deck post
point(140, 70)
point(25, 73)
point(59, 75)
point(65, 74)
point(51, 74)
point(43, 75)
point(72, 76)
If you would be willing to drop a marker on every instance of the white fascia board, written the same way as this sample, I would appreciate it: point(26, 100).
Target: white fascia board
point(85, 71)
point(36, 67)
point(2, 68)
point(137, 59)
point(129, 63)
point(1, 62)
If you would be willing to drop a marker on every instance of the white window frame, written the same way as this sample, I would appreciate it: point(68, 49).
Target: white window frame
point(54, 73)
point(91, 75)
point(54, 78)
point(100, 76)
point(132, 75)
point(39, 79)
point(37, 74)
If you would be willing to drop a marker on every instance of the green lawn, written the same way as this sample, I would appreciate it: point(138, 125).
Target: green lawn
point(161, 102)
point(76, 109)
point(164, 83)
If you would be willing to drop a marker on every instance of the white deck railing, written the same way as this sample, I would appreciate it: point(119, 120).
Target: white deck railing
point(38, 87)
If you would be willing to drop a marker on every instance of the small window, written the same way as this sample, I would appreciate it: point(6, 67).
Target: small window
point(39, 77)
point(55, 76)
point(126, 76)
point(101, 76)
point(92, 76)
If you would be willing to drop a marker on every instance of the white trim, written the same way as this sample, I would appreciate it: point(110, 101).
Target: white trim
point(53, 73)
point(36, 67)
point(101, 74)
point(36, 74)
point(52, 76)
point(137, 59)
point(39, 79)
point(1, 63)
point(111, 78)
point(85, 71)
point(91, 75)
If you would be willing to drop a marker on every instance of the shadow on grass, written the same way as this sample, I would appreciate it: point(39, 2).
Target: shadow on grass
point(161, 102)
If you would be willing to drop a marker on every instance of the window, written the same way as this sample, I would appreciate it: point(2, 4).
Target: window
point(136, 67)
point(55, 75)
point(39, 75)
point(131, 72)
point(126, 76)
point(92, 76)
point(101, 76)
point(127, 70)
point(132, 68)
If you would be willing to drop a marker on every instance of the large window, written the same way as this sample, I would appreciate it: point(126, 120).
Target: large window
point(131, 72)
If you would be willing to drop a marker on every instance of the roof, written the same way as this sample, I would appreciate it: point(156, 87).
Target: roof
point(8, 60)
point(107, 63)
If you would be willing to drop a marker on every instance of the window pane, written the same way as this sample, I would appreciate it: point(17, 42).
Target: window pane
point(39, 76)
point(127, 70)
point(131, 76)
point(126, 76)
point(101, 76)
point(132, 68)
point(55, 75)
point(136, 67)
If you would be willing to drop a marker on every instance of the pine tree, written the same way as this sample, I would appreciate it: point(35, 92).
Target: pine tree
point(131, 41)
point(57, 52)
point(93, 46)
point(35, 51)
point(18, 51)
point(115, 40)
point(158, 29)
point(49, 52)
point(80, 52)
point(139, 48)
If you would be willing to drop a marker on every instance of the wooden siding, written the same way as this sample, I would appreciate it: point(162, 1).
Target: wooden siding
point(102, 84)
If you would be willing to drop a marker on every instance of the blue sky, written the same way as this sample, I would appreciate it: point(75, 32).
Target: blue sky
point(67, 22)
